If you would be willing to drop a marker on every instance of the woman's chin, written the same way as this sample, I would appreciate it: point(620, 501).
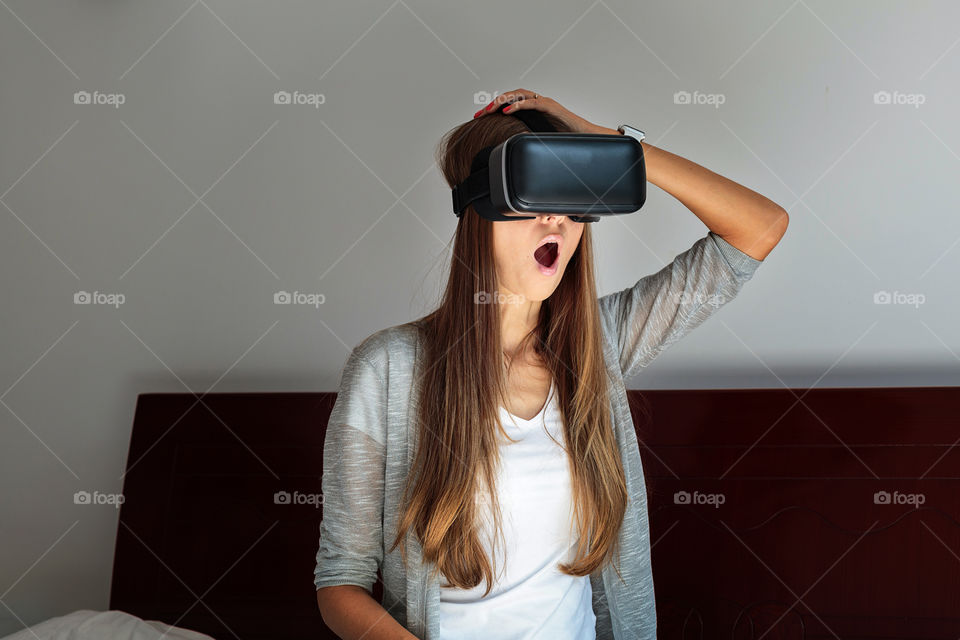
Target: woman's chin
point(541, 291)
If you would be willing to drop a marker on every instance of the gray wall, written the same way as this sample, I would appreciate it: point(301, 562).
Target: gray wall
point(198, 198)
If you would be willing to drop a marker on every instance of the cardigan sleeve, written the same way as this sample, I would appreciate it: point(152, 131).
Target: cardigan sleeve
point(354, 459)
point(649, 316)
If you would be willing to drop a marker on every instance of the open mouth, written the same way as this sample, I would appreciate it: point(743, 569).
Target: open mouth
point(547, 254)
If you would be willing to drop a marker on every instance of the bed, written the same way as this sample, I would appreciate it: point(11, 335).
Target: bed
point(775, 513)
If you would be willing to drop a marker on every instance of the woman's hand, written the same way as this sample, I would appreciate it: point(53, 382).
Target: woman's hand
point(524, 99)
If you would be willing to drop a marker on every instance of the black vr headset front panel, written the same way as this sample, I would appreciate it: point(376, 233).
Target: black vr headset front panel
point(564, 173)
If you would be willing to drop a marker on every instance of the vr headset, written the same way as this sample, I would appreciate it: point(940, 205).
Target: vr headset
point(584, 176)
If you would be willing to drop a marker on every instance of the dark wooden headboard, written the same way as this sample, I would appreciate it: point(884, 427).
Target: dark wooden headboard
point(774, 513)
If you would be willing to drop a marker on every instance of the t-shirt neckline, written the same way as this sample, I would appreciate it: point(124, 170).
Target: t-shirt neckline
point(540, 413)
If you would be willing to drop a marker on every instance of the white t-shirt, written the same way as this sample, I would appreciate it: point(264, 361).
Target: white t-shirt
point(531, 598)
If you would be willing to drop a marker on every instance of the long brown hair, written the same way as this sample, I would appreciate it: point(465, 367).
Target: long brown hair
point(464, 383)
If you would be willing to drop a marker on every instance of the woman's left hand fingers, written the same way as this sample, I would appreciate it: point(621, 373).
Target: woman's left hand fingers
point(510, 96)
point(526, 99)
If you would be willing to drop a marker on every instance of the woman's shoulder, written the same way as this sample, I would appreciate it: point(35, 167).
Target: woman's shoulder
point(394, 344)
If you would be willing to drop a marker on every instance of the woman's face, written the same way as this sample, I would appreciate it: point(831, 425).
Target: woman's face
point(515, 246)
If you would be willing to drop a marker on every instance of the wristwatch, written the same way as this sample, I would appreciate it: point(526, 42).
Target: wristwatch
point(627, 130)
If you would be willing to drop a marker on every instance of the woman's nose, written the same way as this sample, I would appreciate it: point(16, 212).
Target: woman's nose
point(550, 217)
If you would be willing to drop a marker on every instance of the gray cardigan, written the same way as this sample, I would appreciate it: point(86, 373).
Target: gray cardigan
point(370, 442)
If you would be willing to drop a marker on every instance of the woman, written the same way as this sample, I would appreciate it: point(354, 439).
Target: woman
point(483, 457)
